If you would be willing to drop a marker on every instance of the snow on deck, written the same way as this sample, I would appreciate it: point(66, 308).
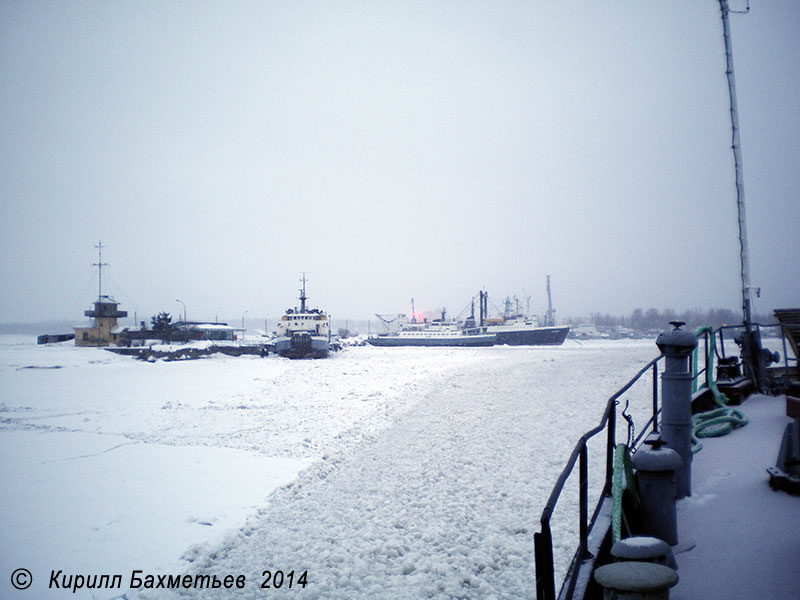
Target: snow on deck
point(747, 536)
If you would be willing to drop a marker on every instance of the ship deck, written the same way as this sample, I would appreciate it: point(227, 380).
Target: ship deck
point(745, 536)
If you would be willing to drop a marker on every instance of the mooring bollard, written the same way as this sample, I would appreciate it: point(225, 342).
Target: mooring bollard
point(655, 469)
point(676, 400)
point(645, 549)
point(635, 580)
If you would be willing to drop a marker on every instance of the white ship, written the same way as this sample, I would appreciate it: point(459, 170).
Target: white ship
point(437, 332)
point(303, 332)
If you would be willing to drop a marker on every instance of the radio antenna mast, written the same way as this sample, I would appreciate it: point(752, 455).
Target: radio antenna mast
point(99, 264)
point(303, 296)
point(550, 318)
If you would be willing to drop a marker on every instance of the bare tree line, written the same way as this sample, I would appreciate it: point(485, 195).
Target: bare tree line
point(655, 319)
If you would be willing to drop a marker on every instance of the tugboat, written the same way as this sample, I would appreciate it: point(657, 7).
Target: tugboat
point(303, 332)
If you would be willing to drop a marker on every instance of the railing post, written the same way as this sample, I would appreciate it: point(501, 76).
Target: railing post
point(785, 356)
point(583, 487)
point(611, 444)
point(545, 575)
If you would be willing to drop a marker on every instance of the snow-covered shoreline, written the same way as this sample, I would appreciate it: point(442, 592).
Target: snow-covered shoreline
point(111, 464)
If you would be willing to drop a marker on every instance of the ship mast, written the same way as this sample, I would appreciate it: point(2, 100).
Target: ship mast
point(744, 253)
point(549, 319)
point(99, 264)
point(303, 294)
point(752, 359)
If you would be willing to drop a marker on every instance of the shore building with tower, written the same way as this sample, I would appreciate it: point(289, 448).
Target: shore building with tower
point(104, 330)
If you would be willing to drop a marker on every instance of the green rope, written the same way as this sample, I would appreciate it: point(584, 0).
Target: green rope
point(622, 466)
point(721, 420)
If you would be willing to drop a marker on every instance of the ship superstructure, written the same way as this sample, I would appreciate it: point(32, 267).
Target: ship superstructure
point(517, 329)
point(437, 332)
point(303, 332)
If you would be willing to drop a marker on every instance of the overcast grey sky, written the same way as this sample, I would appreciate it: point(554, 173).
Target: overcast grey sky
point(393, 150)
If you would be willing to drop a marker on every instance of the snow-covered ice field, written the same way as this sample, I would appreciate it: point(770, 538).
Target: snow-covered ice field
point(381, 472)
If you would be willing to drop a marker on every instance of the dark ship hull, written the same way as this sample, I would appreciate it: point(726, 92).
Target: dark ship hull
point(302, 345)
point(537, 336)
point(432, 340)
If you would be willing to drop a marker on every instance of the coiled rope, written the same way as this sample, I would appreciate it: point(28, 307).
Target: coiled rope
point(622, 465)
point(721, 420)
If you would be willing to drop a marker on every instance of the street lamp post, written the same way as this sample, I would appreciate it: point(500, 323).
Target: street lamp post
point(184, 309)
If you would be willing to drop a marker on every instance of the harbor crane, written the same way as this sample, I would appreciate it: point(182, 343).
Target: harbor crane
point(387, 320)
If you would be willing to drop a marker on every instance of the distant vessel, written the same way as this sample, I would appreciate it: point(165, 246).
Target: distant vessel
point(303, 332)
point(438, 332)
point(516, 329)
point(526, 332)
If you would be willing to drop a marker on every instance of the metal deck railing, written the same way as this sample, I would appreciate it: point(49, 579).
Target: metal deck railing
point(785, 333)
point(543, 540)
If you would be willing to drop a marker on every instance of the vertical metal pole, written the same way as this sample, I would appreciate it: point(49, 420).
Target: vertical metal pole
point(655, 397)
point(99, 270)
point(184, 309)
point(545, 577)
point(584, 498)
point(99, 264)
point(785, 357)
point(610, 445)
point(737, 163)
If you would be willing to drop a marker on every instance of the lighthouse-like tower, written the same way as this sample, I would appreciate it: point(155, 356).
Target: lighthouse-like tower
point(103, 331)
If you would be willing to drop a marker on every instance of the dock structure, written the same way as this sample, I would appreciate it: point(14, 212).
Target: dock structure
point(789, 318)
